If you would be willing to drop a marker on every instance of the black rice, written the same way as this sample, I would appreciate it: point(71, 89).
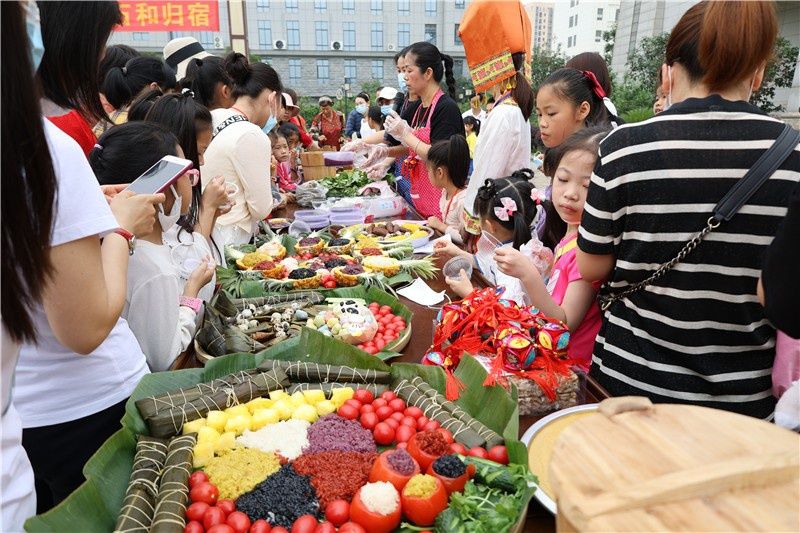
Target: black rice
point(449, 466)
point(280, 499)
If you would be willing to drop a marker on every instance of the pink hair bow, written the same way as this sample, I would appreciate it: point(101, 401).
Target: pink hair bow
point(537, 196)
point(508, 209)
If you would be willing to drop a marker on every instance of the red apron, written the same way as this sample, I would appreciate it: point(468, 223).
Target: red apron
point(424, 195)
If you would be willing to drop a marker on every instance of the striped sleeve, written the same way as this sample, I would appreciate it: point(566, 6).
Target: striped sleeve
point(597, 234)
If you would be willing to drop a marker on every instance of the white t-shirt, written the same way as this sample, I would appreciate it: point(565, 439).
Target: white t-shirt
point(53, 383)
point(157, 275)
point(481, 116)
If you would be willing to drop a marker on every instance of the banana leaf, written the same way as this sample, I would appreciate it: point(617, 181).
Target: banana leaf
point(94, 506)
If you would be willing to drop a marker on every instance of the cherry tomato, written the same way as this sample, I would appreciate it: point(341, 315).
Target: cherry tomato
point(380, 344)
point(412, 411)
point(383, 434)
point(239, 521)
point(394, 424)
point(325, 527)
point(388, 396)
point(409, 421)
point(384, 412)
point(363, 395)
point(194, 527)
point(221, 528)
point(349, 527)
point(304, 524)
point(459, 448)
point(196, 478)
point(477, 451)
point(204, 492)
point(397, 416)
point(228, 506)
point(372, 521)
point(498, 454)
point(196, 511)
point(421, 421)
point(261, 526)
point(385, 309)
point(377, 403)
point(213, 516)
point(432, 425)
point(355, 403)
point(329, 284)
point(369, 420)
point(366, 408)
point(397, 405)
point(279, 529)
point(423, 458)
point(382, 471)
point(337, 512)
point(404, 433)
point(446, 434)
point(348, 411)
point(423, 511)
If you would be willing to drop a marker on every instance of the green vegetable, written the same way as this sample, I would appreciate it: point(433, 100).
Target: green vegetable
point(497, 476)
point(345, 183)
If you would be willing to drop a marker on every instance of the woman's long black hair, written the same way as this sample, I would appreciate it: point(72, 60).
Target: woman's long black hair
point(124, 152)
point(29, 182)
point(452, 154)
point(123, 84)
point(427, 56)
point(517, 187)
point(577, 87)
point(203, 76)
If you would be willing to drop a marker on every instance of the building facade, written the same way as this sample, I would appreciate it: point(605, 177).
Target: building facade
point(541, 15)
point(578, 25)
point(319, 45)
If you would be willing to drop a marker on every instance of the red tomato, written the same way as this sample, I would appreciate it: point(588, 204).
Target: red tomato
point(337, 512)
point(261, 526)
point(458, 448)
point(363, 396)
point(453, 484)
point(446, 434)
point(380, 344)
point(413, 411)
point(369, 420)
point(279, 529)
point(194, 527)
point(423, 458)
point(432, 425)
point(228, 506)
point(348, 411)
point(372, 521)
point(325, 527)
point(498, 454)
point(385, 309)
point(329, 284)
point(197, 477)
point(355, 403)
point(239, 521)
point(383, 434)
point(477, 451)
point(421, 421)
point(409, 421)
point(196, 511)
point(384, 412)
point(379, 402)
point(349, 527)
point(394, 424)
point(404, 433)
point(366, 408)
point(397, 416)
point(423, 511)
point(402, 445)
point(397, 405)
point(213, 516)
point(304, 524)
point(383, 471)
point(204, 492)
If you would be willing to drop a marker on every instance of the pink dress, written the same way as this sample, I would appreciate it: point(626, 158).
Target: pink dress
point(565, 271)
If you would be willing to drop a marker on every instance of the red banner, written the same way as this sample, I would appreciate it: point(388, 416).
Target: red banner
point(176, 15)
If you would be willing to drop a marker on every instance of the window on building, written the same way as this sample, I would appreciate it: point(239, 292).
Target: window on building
point(323, 71)
point(349, 35)
point(320, 6)
point(404, 7)
point(292, 34)
point(207, 39)
point(140, 35)
point(456, 38)
point(350, 70)
point(598, 36)
point(403, 35)
point(321, 34)
point(460, 4)
point(376, 36)
point(262, 5)
point(571, 3)
point(571, 21)
point(576, 19)
point(430, 8)
point(569, 41)
point(375, 6)
point(348, 6)
point(458, 67)
point(377, 69)
point(616, 15)
point(265, 33)
point(599, 13)
point(291, 6)
point(430, 33)
point(295, 70)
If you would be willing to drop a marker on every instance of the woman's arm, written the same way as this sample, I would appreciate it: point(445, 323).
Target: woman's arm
point(252, 162)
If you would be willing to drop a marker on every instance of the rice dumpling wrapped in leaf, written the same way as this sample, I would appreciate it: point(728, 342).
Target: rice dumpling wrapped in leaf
point(138, 506)
point(173, 488)
point(304, 371)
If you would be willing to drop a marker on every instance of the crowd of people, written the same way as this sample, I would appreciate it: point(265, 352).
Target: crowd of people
point(664, 296)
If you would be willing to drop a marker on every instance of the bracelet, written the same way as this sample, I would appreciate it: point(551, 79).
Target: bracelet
point(192, 303)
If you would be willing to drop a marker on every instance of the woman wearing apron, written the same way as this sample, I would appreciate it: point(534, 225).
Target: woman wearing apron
point(436, 118)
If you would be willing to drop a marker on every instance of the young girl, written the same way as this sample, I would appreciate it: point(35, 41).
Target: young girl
point(283, 157)
point(448, 165)
point(375, 118)
point(507, 209)
point(473, 128)
point(293, 138)
point(565, 295)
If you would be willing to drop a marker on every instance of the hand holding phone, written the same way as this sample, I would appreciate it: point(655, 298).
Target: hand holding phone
point(160, 176)
point(136, 212)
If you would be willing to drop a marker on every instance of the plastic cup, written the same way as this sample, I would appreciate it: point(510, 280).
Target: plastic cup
point(455, 265)
point(298, 228)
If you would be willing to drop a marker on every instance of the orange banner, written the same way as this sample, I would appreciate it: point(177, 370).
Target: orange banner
point(161, 15)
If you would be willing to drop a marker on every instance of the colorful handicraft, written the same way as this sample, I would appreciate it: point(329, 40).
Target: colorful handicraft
point(522, 341)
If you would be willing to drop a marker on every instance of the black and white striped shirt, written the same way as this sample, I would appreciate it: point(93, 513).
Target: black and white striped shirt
point(697, 335)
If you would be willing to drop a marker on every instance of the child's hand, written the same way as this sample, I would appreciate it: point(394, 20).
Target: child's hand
point(199, 277)
point(437, 224)
point(461, 285)
point(445, 249)
point(514, 263)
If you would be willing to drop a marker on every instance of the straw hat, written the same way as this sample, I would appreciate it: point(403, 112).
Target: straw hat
point(489, 52)
point(178, 52)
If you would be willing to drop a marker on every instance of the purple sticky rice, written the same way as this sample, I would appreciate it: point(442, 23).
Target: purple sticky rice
point(334, 433)
point(401, 462)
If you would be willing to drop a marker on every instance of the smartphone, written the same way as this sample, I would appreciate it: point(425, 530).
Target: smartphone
point(160, 176)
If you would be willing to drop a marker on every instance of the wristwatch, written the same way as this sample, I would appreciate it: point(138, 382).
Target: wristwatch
point(192, 303)
point(128, 236)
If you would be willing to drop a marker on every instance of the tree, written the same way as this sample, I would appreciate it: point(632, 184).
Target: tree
point(545, 62)
point(608, 44)
point(779, 73)
point(645, 62)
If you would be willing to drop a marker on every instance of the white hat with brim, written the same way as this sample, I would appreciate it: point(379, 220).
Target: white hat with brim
point(325, 99)
point(387, 93)
point(290, 105)
point(178, 52)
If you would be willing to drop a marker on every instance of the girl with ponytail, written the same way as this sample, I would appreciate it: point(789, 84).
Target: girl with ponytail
point(448, 166)
point(437, 118)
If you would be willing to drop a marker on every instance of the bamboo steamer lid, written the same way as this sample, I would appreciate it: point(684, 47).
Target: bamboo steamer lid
point(645, 467)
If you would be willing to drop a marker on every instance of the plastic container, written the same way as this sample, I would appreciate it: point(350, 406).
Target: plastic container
point(455, 265)
point(312, 217)
point(338, 159)
point(347, 219)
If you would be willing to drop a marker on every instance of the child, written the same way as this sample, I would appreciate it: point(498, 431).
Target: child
point(565, 296)
point(448, 165)
point(292, 134)
point(507, 209)
point(375, 118)
point(473, 128)
point(283, 156)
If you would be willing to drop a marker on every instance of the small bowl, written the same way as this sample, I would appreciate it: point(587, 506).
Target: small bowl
point(455, 265)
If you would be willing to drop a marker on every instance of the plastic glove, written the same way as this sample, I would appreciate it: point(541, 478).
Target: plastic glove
point(356, 145)
point(396, 126)
point(377, 171)
point(377, 153)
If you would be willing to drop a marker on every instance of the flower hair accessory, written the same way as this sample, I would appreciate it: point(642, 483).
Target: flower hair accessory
point(537, 196)
point(508, 209)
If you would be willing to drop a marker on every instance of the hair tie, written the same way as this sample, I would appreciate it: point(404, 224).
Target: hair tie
point(508, 209)
point(124, 71)
point(597, 89)
point(488, 189)
point(188, 91)
point(99, 147)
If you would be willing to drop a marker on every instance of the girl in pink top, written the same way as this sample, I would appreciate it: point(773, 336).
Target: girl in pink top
point(448, 165)
point(565, 295)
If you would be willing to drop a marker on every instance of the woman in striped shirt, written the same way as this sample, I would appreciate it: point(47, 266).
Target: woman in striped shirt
point(698, 334)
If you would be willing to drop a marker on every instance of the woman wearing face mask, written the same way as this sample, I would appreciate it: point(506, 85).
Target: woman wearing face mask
point(171, 272)
point(646, 200)
point(357, 116)
point(240, 150)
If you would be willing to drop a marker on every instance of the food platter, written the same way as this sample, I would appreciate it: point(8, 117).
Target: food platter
point(547, 431)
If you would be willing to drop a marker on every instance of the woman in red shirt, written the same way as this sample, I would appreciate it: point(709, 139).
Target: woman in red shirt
point(329, 123)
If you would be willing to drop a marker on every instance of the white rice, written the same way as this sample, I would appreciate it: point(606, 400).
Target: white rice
point(380, 497)
point(284, 438)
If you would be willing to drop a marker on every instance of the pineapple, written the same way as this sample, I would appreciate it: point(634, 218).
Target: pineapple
point(248, 261)
point(389, 266)
point(309, 245)
point(274, 249)
point(340, 246)
point(348, 276)
point(270, 269)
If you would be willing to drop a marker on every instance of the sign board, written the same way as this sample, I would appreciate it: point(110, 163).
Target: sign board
point(175, 15)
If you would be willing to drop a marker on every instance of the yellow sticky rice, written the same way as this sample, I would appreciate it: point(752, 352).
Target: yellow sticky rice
point(239, 470)
point(420, 486)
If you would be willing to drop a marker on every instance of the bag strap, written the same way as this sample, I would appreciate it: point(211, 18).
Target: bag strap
point(726, 208)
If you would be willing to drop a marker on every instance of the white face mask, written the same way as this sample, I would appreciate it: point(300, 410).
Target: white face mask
point(169, 220)
point(752, 85)
point(668, 102)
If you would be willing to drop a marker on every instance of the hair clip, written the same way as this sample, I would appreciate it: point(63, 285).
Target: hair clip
point(99, 146)
point(508, 209)
point(537, 196)
point(597, 89)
